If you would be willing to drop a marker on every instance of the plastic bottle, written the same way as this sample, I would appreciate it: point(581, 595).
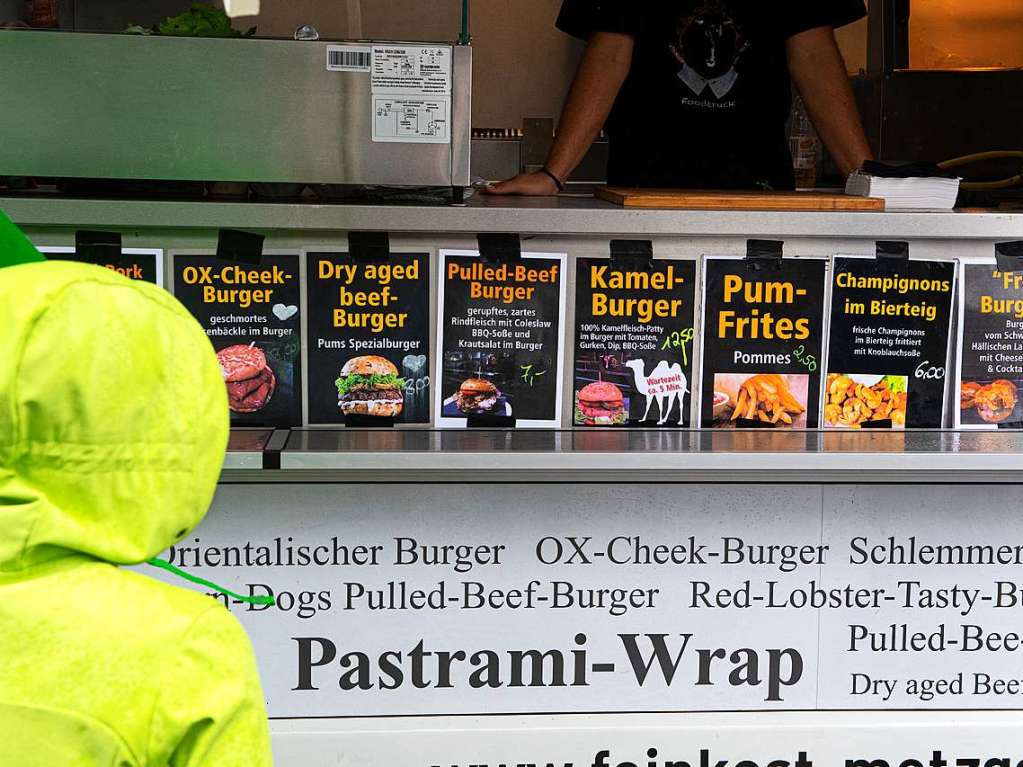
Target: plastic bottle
point(804, 146)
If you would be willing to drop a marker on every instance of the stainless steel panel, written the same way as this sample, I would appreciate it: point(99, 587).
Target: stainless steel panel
point(125, 106)
point(461, 116)
point(561, 216)
point(652, 456)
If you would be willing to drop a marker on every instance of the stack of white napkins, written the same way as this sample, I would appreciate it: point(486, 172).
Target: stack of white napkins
point(914, 193)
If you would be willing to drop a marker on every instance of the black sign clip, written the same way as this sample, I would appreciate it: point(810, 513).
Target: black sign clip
point(369, 247)
point(753, 423)
point(497, 248)
point(100, 248)
point(895, 249)
point(632, 254)
point(881, 423)
point(243, 247)
point(490, 422)
point(763, 253)
point(363, 421)
point(1009, 256)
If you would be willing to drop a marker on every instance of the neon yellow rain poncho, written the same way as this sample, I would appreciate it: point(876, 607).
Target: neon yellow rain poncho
point(113, 425)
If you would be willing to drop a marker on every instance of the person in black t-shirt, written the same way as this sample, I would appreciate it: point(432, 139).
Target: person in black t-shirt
point(696, 93)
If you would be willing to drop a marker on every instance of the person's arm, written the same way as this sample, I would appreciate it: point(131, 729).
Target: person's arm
point(603, 69)
point(820, 76)
point(210, 710)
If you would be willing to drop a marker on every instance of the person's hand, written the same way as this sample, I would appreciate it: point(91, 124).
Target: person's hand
point(525, 184)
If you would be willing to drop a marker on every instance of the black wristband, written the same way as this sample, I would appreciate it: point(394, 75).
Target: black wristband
point(550, 174)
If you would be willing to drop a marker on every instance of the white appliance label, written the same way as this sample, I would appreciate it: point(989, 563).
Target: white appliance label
point(412, 69)
point(409, 119)
point(349, 58)
point(578, 599)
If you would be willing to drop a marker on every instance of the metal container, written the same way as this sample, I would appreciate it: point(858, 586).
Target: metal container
point(168, 108)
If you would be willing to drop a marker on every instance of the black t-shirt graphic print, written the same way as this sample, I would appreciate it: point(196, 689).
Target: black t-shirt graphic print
point(708, 93)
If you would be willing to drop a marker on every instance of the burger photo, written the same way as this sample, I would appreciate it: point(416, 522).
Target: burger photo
point(600, 404)
point(250, 381)
point(370, 385)
point(476, 396)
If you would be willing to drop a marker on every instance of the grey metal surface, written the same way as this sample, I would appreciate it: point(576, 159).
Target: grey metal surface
point(394, 456)
point(135, 107)
point(561, 215)
point(245, 449)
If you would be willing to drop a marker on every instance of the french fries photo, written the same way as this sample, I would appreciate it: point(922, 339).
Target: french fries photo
point(849, 404)
point(766, 397)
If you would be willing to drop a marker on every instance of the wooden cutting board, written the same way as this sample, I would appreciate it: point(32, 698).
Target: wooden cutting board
point(700, 199)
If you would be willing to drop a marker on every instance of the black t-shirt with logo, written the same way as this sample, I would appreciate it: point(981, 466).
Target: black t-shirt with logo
point(708, 94)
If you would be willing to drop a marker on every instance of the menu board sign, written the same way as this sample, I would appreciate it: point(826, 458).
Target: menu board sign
point(144, 264)
point(499, 354)
point(251, 314)
point(888, 343)
point(633, 342)
point(368, 334)
point(990, 371)
point(762, 342)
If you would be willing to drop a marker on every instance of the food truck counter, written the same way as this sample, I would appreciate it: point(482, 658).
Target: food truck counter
point(565, 216)
point(606, 596)
point(634, 456)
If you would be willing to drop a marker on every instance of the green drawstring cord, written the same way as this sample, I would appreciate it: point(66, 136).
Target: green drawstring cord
point(164, 565)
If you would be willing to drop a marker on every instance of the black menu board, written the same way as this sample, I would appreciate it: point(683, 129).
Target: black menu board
point(499, 339)
point(990, 369)
point(634, 339)
point(251, 314)
point(367, 331)
point(888, 343)
point(762, 341)
point(144, 264)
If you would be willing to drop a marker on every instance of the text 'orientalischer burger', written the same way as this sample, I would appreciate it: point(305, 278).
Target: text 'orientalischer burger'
point(370, 385)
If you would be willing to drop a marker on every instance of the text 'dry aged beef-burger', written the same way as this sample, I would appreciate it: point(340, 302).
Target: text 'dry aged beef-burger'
point(370, 385)
point(250, 381)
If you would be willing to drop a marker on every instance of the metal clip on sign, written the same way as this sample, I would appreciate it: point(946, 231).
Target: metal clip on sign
point(895, 249)
point(243, 247)
point(99, 248)
point(1009, 256)
point(369, 247)
point(499, 248)
point(764, 253)
point(632, 254)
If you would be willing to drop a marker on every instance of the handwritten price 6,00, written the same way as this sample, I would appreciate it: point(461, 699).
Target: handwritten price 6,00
point(807, 359)
point(678, 339)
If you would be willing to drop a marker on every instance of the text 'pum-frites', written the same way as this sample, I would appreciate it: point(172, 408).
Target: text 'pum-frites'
point(755, 325)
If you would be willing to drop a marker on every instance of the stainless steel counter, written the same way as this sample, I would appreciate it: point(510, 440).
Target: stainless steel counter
point(616, 456)
point(546, 216)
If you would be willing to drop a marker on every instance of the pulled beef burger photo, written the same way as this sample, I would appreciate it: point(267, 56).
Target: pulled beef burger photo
point(250, 381)
point(370, 385)
point(476, 396)
point(600, 404)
